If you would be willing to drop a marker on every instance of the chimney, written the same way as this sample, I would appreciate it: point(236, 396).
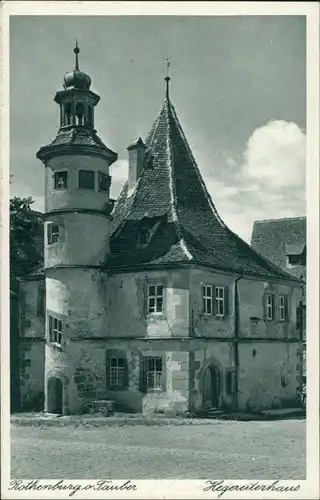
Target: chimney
point(136, 162)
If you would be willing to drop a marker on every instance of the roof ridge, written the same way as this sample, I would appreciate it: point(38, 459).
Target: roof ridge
point(195, 166)
point(300, 217)
point(173, 194)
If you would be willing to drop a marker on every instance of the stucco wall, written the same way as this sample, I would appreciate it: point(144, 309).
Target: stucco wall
point(31, 325)
point(31, 347)
point(73, 197)
point(31, 365)
point(84, 239)
point(252, 299)
point(268, 374)
point(78, 297)
point(210, 326)
point(127, 305)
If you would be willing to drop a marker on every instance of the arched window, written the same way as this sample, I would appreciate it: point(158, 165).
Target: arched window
point(80, 113)
point(67, 113)
point(90, 116)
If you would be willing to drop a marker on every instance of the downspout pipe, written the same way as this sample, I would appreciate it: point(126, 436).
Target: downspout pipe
point(236, 339)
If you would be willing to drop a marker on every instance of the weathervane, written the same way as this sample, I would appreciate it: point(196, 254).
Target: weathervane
point(167, 78)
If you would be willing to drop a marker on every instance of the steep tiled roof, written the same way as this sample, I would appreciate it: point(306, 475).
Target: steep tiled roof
point(277, 238)
point(171, 189)
point(77, 136)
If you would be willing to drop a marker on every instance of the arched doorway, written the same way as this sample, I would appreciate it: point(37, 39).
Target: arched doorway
point(55, 394)
point(211, 387)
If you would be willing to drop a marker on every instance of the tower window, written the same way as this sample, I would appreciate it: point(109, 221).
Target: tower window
point(55, 330)
point(90, 116)
point(53, 233)
point(104, 181)
point(60, 180)
point(80, 113)
point(86, 179)
point(67, 114)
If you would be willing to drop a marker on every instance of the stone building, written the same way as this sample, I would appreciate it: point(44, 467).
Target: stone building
point(151, 302)
point(284, 243)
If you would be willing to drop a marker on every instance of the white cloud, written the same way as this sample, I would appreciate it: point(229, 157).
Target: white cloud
point(119, 174)
point(270, 183)
point(276, 153)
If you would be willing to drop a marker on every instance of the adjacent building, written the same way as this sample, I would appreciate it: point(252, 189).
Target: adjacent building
point(151, 301)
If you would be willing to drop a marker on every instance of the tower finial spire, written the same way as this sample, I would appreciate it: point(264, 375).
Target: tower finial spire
point(76, 50)
point(167, 79)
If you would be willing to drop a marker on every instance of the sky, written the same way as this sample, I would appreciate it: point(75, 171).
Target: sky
point(238, 85)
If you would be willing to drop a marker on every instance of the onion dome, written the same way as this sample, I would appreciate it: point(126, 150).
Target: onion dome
point(77, 79)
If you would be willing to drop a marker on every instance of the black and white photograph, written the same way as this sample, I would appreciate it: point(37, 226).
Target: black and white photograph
point(156, 196)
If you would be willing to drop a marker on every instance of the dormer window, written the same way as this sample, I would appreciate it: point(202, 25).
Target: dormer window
point(61, 180)
point(144, 237)
point(296, 254)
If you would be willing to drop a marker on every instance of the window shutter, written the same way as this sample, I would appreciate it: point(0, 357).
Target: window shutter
point(275, 307)
point(265, 310)
point(226, 301)
point(145, 299)
point(143, 374)
point(49, 232)
point(214, 294)
point(126, 374)
point(286, 309)
point(202, 295)
point(108, 370)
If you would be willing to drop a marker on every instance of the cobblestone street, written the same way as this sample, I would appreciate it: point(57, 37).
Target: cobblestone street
point(233, 450)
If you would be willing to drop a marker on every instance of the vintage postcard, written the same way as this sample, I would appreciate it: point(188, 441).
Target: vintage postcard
point(160, 250)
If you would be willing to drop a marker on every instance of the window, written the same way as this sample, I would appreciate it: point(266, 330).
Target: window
point(230, 382)
point(215, 300)
point(117, 373)
point(41, 306)
point(55, 330)
point(282, 309)
point(60, 180)
point(86, 179)
point(219, 301)
point(154, 373)
point(53, 233)
point(269, 307)
point(155, 299)
point(207, 299)
point(144, 236)
point(103, 181)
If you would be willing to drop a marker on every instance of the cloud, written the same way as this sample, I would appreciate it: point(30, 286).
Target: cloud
point(119, 174)
point(270, 181)
point(276, 154)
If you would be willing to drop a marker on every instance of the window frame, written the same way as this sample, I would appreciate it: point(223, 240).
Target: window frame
point(92, 173)
point(55, 330)
point(269, 306)
point(219, 300)
point(41, 301)
point(55, 184)
point(112, 386)
point(158, 382)
point(155, 297)
point(106, 177)
point(50, 233)
point(207, 299)
point(230, 381)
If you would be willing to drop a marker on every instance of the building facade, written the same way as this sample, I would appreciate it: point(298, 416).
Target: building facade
point(151, 301)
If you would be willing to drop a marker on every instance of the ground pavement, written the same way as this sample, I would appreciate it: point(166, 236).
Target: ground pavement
point(221, 449)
